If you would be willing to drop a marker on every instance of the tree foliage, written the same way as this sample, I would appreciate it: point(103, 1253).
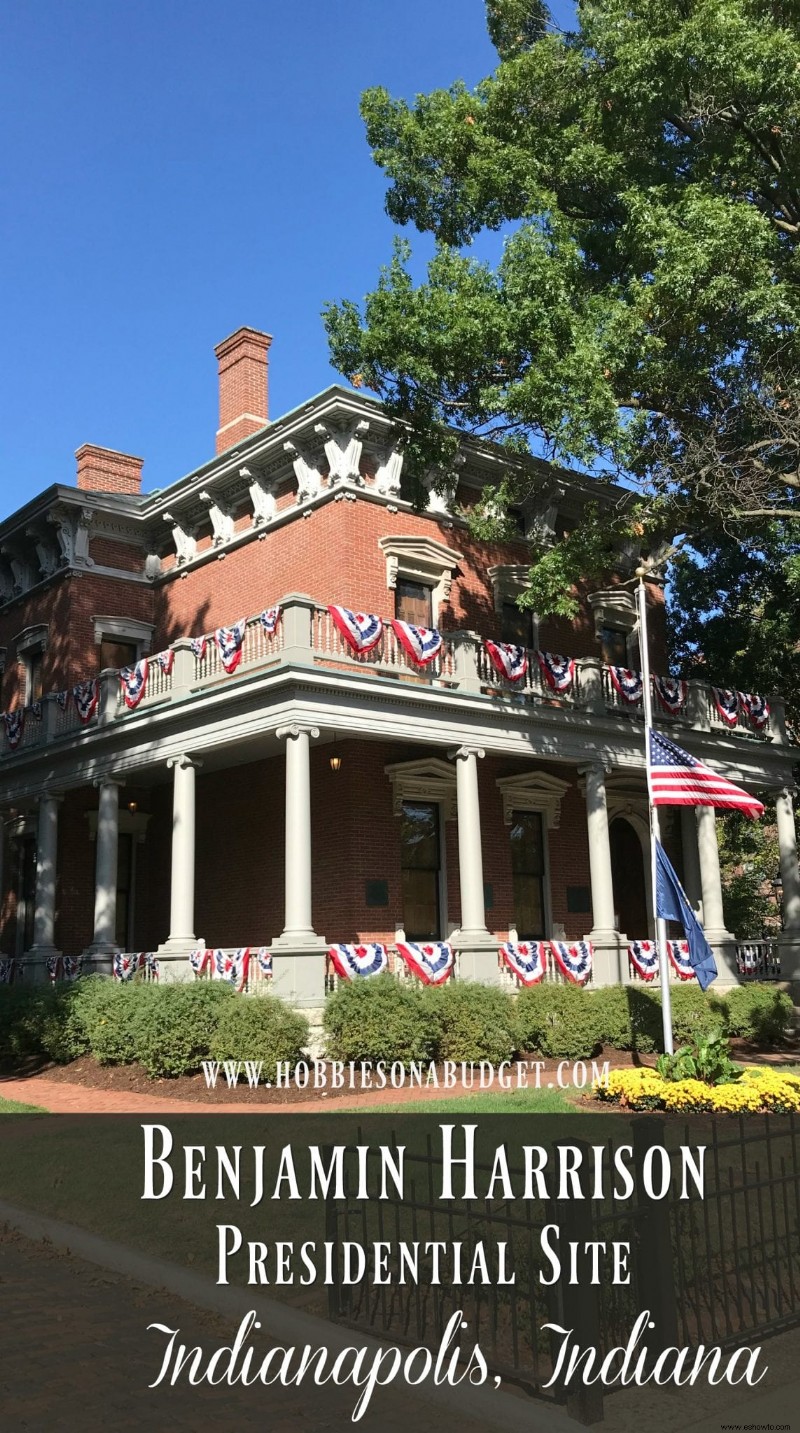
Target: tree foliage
point(643, 318)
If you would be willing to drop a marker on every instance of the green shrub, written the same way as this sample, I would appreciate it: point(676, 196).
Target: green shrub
point(23, 1011)
point(628, 1018)
point(172, 1027)
point(63, 1033)
point(472, 1022)
point(695, 1015)
point(263, 1029)
point(107, 1011)
point(379, 1019)
point(559, 1021)
point(759, 1013)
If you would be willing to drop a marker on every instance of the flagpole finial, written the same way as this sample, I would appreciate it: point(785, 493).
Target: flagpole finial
point(640, 572)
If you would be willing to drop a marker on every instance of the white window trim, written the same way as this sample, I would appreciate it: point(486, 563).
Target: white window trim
point(533, 791)
point(509, 580)
point(124, 629)
point(32, 640)
point(428, 780)
point(615, 607)
point(421, 559)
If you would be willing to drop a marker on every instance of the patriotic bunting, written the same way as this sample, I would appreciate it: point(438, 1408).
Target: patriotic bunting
point(133, 681)
point(263, 959)
point(756, 708)
point(574, 961)
point(678, 952)
point(421, 644)
point(229, 641)
point(727, 704)
point(84, 695)
point(643, 956)
point(361, 630)
point(53, 964)
point(199, 645)
point(269, 620)
point(627, 683)
point(166, 660)
point(8, 969)
point(62, 698)
point(526, 960)
point(558, 672)
point(671, 693)
point(431, 963)
point(351, 961)
point(35, 709)
point(231, 966)
point(63, 967)
point(125, 966)
point(510, 661)
point(199, 960)
point(14, 724)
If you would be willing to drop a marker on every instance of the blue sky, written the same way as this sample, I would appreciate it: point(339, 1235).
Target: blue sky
point(170, 170)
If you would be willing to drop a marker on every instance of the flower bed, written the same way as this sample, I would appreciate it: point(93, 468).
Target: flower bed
point(759, 1091)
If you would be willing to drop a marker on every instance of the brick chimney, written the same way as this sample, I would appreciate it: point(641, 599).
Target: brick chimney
point(243, 385)
point(102, 470)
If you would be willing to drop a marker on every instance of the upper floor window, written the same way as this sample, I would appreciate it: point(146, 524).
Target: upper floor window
point(121, 641)
point(614, 645)
point(616, 626)
point(413, 602)
point(114, 653)
point(31, 646)
point(518, 625)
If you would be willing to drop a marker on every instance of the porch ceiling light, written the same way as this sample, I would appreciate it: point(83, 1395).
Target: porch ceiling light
point(336, 762)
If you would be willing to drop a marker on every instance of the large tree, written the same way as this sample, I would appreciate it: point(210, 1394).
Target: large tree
point(643, 317)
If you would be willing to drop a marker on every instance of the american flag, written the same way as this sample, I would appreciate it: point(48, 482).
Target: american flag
point(678, 779)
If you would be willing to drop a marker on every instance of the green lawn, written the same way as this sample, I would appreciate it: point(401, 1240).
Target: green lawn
point(539, 1102)
point(13, 1107)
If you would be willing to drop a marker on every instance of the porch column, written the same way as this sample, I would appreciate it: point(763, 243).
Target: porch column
point(44, 912)
point(182, 938)
point(789, 943)
point(722, 941)
point(477, 950)
point(298, 965)
point(691, 860)
point(104, 946)
point(610, 964)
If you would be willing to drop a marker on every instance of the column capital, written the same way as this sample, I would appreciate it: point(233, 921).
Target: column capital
point(101, 781)
point(56, 797)
point(601, 766)
point(460, 753)
point(184, 761)
point(297, 728)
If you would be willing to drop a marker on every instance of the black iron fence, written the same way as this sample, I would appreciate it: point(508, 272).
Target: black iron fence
point(720, 1269)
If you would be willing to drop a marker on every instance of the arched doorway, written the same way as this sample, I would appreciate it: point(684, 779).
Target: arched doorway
point(627, 869)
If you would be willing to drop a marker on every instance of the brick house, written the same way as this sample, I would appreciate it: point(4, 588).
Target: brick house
point(312, 795)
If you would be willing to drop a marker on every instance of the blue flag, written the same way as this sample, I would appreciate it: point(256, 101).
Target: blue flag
point(672, 905)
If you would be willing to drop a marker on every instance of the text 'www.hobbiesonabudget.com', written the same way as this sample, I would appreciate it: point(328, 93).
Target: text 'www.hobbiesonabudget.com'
point(398, 1075)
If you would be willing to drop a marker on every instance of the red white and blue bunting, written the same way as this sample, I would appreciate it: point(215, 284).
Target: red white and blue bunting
point(232, 966)
point(62, 698)
point(361, 630)
point(671, 693)
point(756, 708)
point(431, 962)
point(35, 709)
point(166, 660)
point(14, 723)
point(125, 966)
point(526, 959)
point(9, 968)
point(63, 967)
point(627, 683)
point(84, 694)
point(574, 961)
point(421, 644)
point(229, 641)
point(133, 681)
point(200, 960)
point(263, 959)
point(199, 645)
point(678, 952)
point(269, 620)
point(510, 661)
point(352, 961)
point(558, 672)
point(643, 956)
point(727, 704)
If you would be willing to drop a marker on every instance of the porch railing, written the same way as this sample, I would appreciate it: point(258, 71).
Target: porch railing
point(306, 635)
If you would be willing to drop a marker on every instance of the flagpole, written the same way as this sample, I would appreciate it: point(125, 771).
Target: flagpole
point(655, 828)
